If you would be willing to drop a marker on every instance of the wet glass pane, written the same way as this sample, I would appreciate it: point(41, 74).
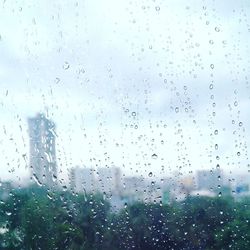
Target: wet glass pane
point(124, 124)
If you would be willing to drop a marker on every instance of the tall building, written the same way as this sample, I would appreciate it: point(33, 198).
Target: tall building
point(209, 179)
point(109, 180)
point(82, 179)
point(42, 150)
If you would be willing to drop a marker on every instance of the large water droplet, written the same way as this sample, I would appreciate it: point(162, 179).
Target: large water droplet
point(217, 29)
point(154, 156)
point(35, 178)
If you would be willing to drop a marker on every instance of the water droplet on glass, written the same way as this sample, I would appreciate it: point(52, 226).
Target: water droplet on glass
point(49, 196)
point(54, 177)
point(66, 65)
point(37, 180)
point(150, 174)
point(57, 80)
point(217, 29)
point(154, 156)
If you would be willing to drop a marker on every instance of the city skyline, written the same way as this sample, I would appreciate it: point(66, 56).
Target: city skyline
point(51, 135)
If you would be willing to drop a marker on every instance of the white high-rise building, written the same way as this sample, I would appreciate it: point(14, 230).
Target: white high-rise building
point(109, 180)
point(42, 150)
point(82, 179)
point(209, 179)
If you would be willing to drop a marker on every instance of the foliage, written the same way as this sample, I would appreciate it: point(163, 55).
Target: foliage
point(37, 218)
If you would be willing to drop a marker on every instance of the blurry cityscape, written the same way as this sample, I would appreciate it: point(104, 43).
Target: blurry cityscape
point(113, 184)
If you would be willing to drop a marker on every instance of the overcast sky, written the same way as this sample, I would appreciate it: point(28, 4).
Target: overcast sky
point(124, 80)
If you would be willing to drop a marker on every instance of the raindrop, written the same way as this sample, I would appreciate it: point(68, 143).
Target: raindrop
point(157, 8)
point(37, 180)
point(217, 29)
point(54, 177)
point(176, 110)
point(66, 65)
point(154, 156)
point(240, 124)
point(57, 80)
point(150, 174)
point(49, 196)
point(134, 114)
point(212, 66)
point(216, 132)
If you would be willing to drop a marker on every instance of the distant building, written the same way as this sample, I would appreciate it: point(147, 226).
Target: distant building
point(133, 188)
point(42, 150)
point(109, 180)
point(141, 189)
point(204, 193)
point(5, 190)
point(240, 186)
point(82, 180)
point(209, 179)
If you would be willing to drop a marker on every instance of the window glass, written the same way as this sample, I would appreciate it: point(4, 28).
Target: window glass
point(124, 124)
